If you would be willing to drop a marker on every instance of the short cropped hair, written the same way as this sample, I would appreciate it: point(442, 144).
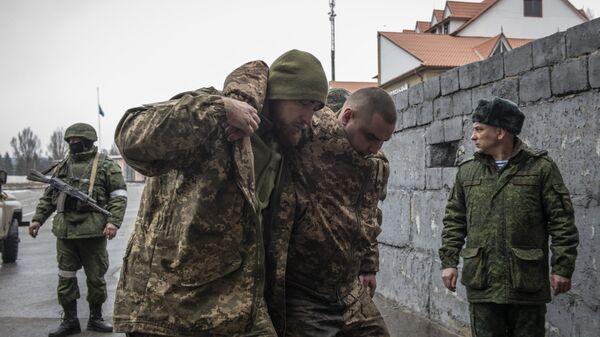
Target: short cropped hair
point(369, 101)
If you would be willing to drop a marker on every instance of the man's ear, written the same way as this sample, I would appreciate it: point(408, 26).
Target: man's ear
point(346, 115)
point(501, 133)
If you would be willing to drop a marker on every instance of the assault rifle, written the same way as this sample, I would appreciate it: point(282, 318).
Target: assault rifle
point(66, 189)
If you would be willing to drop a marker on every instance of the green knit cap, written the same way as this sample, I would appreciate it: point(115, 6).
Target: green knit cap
point(297, 75)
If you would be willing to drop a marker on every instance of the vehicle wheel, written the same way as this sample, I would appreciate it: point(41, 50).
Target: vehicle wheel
point(11, 243)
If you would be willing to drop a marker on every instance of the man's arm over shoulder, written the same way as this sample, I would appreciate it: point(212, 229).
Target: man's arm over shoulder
point(156, 138)
point(560, 218)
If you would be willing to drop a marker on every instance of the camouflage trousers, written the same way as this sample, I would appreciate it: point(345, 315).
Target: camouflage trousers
point(262, 327)
point(507, 320)
point(311, 315)
point(72, 254)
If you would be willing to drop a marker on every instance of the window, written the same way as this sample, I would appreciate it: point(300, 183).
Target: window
point(446, 27)
point(533, 8)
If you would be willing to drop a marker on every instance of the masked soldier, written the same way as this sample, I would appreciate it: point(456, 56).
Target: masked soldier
point(82, 232)
point(505, 202)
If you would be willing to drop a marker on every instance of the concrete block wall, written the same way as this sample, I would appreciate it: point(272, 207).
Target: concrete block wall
point(556, 82)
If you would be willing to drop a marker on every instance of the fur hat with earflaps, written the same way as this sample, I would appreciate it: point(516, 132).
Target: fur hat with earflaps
point(501, 113)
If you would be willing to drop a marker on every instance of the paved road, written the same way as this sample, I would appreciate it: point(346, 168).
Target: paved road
point(28, 305)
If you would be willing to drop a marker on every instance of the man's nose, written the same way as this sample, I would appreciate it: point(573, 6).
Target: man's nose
point(307, 117)
point(375, 147)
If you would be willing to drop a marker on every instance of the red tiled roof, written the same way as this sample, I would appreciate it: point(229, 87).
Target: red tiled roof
point(485, 48)
point(439, 14)
point(408, 31)
point(516, 43)
point(490, 3)
point(437, 50)
point(467, 9)
point(423, 26)
point(351, 86)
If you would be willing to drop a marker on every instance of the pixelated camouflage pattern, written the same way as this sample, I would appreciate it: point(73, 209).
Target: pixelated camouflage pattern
point(81, 130)
point(506, 218)
point(79, 221)
point(519, 320)
point(322, 163)
point(372, 216)
point(193, 262)
point(354, 314)
point(336, 97)
point(332, 181)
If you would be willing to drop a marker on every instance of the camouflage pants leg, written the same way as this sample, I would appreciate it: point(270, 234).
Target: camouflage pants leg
point(94, 259)
point(68, 263)
point(507, 320)
point(308, 315)
point(263, 327)
point(361, 316)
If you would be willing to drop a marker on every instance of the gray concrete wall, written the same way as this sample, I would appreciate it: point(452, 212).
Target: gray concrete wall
point(556, 82)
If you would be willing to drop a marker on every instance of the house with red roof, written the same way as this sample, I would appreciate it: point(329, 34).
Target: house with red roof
point(466, 32)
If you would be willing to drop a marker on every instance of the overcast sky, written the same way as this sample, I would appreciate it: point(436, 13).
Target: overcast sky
point(54, 53)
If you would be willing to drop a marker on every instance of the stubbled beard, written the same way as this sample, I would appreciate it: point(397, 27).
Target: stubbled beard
point(288, 136)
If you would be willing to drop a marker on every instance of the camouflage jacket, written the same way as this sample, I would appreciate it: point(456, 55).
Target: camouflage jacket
point(328, 217)
point(194, 263)
point(506, 218)
point(77, 220)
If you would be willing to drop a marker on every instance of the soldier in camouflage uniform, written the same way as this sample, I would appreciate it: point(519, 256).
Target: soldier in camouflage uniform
point(194, 265)
point(329, 219)
point(506, 201)
point(336, 97)
point(81, 232)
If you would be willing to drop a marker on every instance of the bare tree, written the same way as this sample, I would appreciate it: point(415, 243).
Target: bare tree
point(57, 149)
point(26, 147)
point(6, 164)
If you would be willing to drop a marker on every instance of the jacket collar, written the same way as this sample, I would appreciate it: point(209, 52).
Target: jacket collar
point(84, 156)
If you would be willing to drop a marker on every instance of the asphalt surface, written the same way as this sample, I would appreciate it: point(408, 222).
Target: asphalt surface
point(28, 304)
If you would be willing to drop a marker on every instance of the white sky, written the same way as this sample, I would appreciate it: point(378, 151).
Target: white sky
point(54, 53)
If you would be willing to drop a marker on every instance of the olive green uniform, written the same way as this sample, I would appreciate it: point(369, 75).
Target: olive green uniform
point(507, 217)
point(78, 228)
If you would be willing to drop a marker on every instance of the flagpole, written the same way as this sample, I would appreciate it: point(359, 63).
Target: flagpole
point(98, 113)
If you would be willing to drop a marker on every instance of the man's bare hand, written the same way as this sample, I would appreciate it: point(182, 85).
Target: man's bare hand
point(34, 227)
point(559, 284)
point(110, 231)
point(242, 119)
point(449, 277)
point(369, 281)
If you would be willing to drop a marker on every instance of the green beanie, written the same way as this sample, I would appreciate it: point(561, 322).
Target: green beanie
point(297, 75)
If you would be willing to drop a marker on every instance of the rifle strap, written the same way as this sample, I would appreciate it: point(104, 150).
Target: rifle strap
point(93, 176)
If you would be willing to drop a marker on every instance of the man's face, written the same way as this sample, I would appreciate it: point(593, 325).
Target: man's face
point(485, 137)
point(366, 135)
point(73, 140)
point(291, 117)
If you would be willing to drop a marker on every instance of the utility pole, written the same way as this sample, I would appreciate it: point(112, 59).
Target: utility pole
point(332, 20)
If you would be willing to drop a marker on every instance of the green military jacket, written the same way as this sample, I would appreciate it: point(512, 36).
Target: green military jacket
point(323, 233)
point(78, 221)
point(194, 265)
point(506, 218)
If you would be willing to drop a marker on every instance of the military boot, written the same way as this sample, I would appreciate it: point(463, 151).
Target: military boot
point(96, 322)
point(70, 322)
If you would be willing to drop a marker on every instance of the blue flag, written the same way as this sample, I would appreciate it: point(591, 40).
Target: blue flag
point(100, 111)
